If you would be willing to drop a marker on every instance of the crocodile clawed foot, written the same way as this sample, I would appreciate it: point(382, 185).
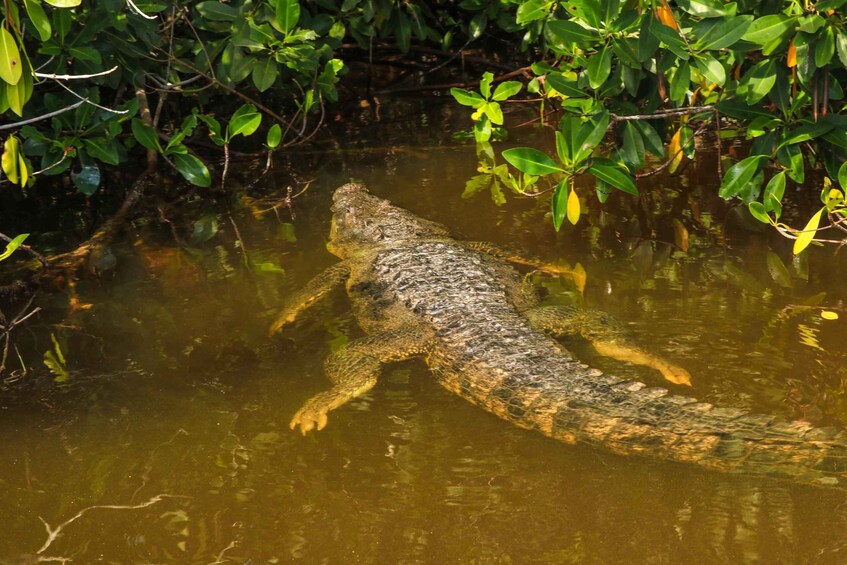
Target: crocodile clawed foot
point(676, 375)
point(312, 416)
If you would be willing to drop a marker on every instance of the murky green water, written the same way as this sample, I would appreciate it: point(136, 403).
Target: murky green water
point(169, 442)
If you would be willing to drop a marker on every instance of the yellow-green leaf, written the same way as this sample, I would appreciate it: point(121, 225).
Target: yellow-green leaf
point(10, 57)
point(11, 159)
point(64, 3)
point(675, 151)
point(17, 95)
point(573, 207)
point(808, 233)
point(829, 315)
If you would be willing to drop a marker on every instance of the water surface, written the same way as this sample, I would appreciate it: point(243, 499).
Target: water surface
point(176, 408)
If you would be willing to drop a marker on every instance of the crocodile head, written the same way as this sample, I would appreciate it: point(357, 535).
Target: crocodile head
point(361, 220)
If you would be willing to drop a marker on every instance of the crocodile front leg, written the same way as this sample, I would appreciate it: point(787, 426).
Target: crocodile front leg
point(314, 290)
point(354, 370)
point(603, 331)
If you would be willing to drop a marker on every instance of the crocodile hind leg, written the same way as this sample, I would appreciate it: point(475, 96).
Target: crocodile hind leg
point(354, 371)
point(314, 290)
point(604, 332)
point(577, 274)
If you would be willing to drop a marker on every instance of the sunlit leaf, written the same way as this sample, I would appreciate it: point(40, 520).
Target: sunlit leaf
point(531, 161)
point(274, 136)
point(13, 245)
point(64, 3)
point(506, 90)
point(808, 233)
point(758, 211)
point(244, 121)
point(739, 175)
point(675, 151)
point(763, 30)
point(192, 169)
point(39, 19)
point(610, 172)
point(10, 57)
point(829, 315)
point(286, 15)
point(571, 32)
point(467, 98)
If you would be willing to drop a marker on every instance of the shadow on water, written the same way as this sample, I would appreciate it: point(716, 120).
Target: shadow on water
point(169, 439)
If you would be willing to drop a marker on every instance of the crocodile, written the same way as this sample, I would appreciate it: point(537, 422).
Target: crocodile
point(467, 311)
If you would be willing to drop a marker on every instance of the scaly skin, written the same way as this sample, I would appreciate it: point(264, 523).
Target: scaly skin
point(418, 293)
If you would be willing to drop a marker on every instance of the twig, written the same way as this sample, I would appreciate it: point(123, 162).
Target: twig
point(73, 106)
point(84, 99)
point(138, 11)
point(663, 114)
point(53, 533)
point(76, 77)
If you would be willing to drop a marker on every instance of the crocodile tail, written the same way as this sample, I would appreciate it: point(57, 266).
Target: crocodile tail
point(629, 418)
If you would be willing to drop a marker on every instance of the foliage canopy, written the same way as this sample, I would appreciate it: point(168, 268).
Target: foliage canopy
point(75, 79)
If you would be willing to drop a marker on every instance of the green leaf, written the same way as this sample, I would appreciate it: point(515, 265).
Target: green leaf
point(244, 121)
point(825, 48)
point(566, 87)
point(841, 46)
point(571, 32)
point(192, 169)
point(39, 19)
point(485, 84)
point(648, 41)
point(265, 73)
point(599, 67)
point(757, 209)
point(735, 180)
point(559, 203)
point(13, 245)
point(758, 81)
point(652, 141)
point(633, 146)
point(774, 191)
point(791, 157)
point(722, 34)
point(670, 37)
point(707, 8)
point(590, 135)
point(103, 148)
point(467, 98)
point(807, 131)
point(808, 233)
point(286, 15)
point(274, 136)
point(494, 112)
point(562, 148)
point(10, 57)
point(763, 30)
point(216, 11)
point(146, 135)
point(842, 175)
point(533, 10)
point(611, 173)
point(87, 179)
point(711, 68)
point(531, 161)
point(506, 90)
point(680, 82)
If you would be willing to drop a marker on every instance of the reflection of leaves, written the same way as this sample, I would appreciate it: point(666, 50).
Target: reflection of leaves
point(287, 233)
point(204, 229)
point(54, 359)
point(779, 273)
point(809, 336)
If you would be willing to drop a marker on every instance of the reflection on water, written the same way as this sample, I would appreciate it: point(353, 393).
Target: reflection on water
point(176, 392)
